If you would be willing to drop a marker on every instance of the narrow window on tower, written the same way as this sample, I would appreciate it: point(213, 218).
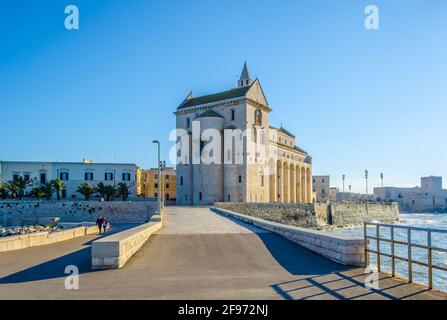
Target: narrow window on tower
point(200, 196)
point(232, 114)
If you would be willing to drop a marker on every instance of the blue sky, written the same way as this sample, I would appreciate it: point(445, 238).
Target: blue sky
point(356, 99)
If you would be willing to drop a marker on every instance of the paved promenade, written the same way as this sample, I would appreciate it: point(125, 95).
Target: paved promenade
point(198, 255)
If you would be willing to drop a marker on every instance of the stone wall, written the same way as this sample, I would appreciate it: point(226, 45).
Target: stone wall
point(44, 238)
point(301, 215)
point(28, 212)
point(316, 215)
point(342, 214)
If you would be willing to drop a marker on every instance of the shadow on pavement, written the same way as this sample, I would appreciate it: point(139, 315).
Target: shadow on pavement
point(56, 268)
point(52, 269)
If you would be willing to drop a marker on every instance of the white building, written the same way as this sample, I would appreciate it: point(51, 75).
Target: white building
point(71, 173)
point(428, 197)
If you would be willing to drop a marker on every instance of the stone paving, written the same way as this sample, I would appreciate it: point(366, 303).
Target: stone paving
point(198, 255)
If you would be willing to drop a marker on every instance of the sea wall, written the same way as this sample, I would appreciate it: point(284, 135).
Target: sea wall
point(300, 215)
point(316, 215)
point(29, 212)
point(43, 238)
point(343, 214)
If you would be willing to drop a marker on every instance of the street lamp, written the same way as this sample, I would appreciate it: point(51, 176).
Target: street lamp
point(366, 179)
point(158, 176)
point(343, 178)
point(381, 177)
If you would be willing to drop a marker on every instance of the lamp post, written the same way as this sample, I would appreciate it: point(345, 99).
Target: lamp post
point(343, 178)
point(381, 178)
point(366, 180)
point(158, 176)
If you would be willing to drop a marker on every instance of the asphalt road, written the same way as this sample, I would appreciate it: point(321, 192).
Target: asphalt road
point(197, 255)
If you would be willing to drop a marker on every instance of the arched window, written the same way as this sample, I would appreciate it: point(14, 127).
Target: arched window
point(258, 117)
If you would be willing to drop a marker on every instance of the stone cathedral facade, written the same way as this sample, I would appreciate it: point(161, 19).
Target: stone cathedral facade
point(273, 168)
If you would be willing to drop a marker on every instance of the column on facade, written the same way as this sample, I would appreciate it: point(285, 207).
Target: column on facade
point(286, 180)
point(292, 183)
point(279, 184)
point(298, 184)
point(303, 185)
point(309, 186)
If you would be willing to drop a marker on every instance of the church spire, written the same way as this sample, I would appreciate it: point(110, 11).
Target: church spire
point(245, 79)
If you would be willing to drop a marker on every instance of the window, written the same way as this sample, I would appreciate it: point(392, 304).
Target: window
point(167, 185)
point(167, 177)
point(26, 177)
point(186, 197)
point(88, 176)
point(181, 181)
point(262, 181)
point(126, 176)
point(322, 180)
point(232, 114)
point(240, 179)
point(43, 178)
point(156, 176)
point(108, 176)
point(167, 196)
point(64, 193)
point(200, 196)
point(156, 195)
point(15, 177)
point(156, 185)
point(63, 176)
point(229, 198)
point(188, 123)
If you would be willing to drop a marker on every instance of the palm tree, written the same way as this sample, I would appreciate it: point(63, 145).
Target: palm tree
point(123, 191)
point(21, 184)
point(37, 193)
point(12, 188)
point(58, 186)
point(107, 192)
point(87, 190)
point(47, 190)
point(4, 192)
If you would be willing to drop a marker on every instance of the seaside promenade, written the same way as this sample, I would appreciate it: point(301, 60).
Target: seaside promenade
point(198, 255)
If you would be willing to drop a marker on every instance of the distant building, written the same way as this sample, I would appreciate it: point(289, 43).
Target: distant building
point(354, 197)
point(148, 183)
point(333, 194)
point(71, 173)
point(428, 197)
point(321, 187)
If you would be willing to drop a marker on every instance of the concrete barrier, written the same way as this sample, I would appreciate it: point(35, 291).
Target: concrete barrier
point(341, 249)
point(43, 238)
point(114, 251)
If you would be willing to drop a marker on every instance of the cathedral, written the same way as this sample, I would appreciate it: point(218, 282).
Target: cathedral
point(273, 167)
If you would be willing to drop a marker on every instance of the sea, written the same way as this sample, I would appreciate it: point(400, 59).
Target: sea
point(420, 273)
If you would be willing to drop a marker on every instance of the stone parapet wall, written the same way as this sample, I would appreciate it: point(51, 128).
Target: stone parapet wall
point(29, 212)
point(114, 251)
point(317, 215)
point(343, 214)
point(43, 238)
point(301, 215)
point(341, 249)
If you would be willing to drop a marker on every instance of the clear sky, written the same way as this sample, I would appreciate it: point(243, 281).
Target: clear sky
point(356, 99)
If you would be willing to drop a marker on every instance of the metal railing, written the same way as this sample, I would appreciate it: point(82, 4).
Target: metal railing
point(409, 259)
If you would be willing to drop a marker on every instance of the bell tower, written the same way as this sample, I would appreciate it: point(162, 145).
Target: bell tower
point(245, 79)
